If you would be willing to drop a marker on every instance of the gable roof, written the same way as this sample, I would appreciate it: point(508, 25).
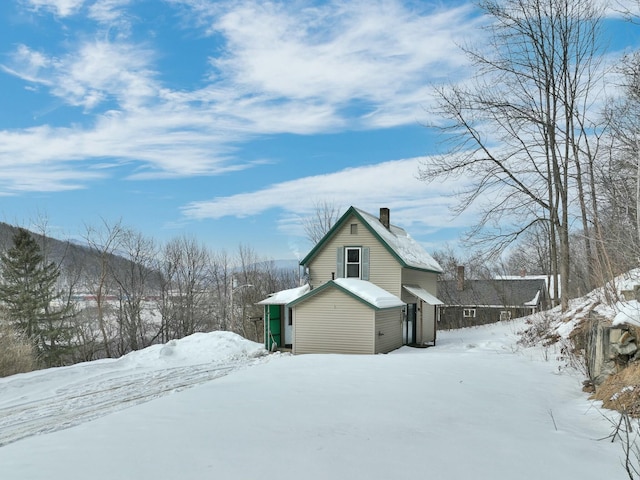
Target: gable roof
point(408, 252)
point(366, 292)
point(493, 292)
point(549, 280)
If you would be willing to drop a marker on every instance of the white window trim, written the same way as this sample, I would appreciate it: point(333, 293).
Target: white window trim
point(469, 312)
point(347, 263)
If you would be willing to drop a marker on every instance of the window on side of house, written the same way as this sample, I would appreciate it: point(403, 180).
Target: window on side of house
point(352, 265)
point(469, 313)
point(505, 315)
point(354, 229)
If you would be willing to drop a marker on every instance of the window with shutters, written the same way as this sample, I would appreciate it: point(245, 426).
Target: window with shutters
point(352, 266)
point(352, 262)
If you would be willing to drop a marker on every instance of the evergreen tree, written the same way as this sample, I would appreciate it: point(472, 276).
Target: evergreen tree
point(28, 289)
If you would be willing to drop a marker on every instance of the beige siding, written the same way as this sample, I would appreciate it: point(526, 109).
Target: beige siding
point(426, 317)
point(426, 280)
point(333, 322)
point(384, 269)
point(389, 323)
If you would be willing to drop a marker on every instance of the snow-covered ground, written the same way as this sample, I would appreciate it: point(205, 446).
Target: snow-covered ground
point(474, 406)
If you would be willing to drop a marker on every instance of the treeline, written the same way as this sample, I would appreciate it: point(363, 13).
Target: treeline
point(546, 136)
point(123, 292)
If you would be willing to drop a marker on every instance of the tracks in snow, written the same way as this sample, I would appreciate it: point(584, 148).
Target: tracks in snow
point(100, 395)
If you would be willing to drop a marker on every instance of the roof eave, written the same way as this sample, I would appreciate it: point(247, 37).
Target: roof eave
point(332, 283)
point(318, 246)
point(340, 222)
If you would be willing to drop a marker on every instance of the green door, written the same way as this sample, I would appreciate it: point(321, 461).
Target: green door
point(274, 331)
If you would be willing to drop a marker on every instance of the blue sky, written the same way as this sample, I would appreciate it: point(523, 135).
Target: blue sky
point(227, 121)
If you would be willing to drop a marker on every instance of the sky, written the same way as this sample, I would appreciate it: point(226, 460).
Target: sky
point(229, 121)
point(213, 405)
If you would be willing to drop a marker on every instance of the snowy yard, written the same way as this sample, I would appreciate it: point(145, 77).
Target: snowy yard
point(475, 406)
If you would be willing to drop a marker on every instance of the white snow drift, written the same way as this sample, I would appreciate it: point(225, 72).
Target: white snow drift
point(474, 406)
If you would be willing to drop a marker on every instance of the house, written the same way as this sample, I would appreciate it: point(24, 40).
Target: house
point(478, 302)
point(371, 289)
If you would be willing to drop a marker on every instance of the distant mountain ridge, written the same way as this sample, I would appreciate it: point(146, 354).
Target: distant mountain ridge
point(58, 251)
point(68, 255)
point(73, 255)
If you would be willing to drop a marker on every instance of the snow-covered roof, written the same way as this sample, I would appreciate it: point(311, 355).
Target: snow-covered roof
point(423, 294)
point(370, 292)
point(367, 292)
point(409, 251)
point(398, 242)
point(285, 296)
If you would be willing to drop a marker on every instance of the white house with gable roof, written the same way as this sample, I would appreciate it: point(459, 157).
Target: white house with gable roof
point(371, 289)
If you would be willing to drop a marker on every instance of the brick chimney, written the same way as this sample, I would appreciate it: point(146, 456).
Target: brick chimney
point(460, 278)
point(385, 216)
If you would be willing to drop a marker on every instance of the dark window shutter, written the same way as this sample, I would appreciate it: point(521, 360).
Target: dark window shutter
point(340, 262)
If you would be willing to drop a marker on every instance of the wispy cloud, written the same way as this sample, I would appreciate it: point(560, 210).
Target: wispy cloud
point(392, 184)
point(95, 72)
point(377, 56)
point(60, 8)
point(354, 65)
point(110, 12)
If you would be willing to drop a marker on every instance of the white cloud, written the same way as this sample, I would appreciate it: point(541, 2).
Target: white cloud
point(310, 71)
point(375, 54)
point(392, 184)
point(109, 11)
point(283, 68)
point(61, 8)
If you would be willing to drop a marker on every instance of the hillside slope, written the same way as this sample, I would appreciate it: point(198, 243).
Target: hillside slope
point(476, 405)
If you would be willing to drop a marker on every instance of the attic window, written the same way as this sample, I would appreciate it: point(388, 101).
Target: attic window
point(354, 229)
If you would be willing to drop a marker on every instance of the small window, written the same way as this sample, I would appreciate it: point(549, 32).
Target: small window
point(505, 315)
point(352, 263)
point(469, 313)
point(354, 229)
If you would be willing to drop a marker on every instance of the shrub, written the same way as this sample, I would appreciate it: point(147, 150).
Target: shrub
point(17, 354)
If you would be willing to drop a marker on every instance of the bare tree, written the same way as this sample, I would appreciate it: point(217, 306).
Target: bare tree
point(520, 129)
point(185, 291)
point(103, 241)
point(220, 273)
point(325, 215)
point(136, 278)
point(620, 177)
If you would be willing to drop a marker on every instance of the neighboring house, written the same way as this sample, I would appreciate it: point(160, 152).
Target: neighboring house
point(478, 302)
point(371, 289)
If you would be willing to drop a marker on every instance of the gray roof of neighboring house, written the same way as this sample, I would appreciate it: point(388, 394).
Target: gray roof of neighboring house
point(493, 292)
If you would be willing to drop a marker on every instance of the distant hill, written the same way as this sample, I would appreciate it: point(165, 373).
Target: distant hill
point(68, 255)
point(57, 251)
point(73, 256)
